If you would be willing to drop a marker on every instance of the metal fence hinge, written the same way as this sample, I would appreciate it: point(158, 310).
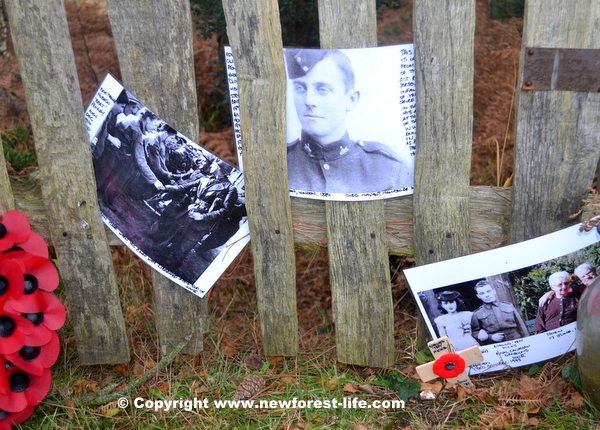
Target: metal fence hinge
point(558, 69)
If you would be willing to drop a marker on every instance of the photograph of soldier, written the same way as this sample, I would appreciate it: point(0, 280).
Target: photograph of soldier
point(175, 202)
point(495, 321)
point(325, 158)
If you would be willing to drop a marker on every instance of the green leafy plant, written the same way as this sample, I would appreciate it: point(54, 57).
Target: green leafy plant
point(571, 371)
point(506, 9)
point(17, 145)
point(405, 387)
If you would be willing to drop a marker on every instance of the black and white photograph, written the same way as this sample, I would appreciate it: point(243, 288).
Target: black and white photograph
point(517, 303)
point(175, 204)
point(350, 121)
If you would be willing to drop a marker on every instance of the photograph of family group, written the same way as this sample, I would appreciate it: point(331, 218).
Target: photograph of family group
point(172, 202)
point(524, 309)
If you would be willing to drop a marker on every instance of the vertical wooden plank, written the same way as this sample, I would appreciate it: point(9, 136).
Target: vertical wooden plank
point(557, 140)
point(43, 47)
point(444, 41)
point(154, 44)
point(358, 260)
point(7, 200)
point(255, 34)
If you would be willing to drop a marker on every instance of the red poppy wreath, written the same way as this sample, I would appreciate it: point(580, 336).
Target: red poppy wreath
point(29, 317)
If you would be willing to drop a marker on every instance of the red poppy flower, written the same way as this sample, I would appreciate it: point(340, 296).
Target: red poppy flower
point(13, 331)
point(39, 271)
point(9, 419)
point(34, 245)
point(4, 386)
point(14, 228)
point(24, 389)
point(449, 366)
point(34, 359)
point(51, 317)
point(12, 281)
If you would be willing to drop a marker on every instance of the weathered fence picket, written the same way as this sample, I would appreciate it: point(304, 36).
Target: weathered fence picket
point(557, 152)
point(255, 35)
point(46, 60)
point(164, 80)
point(444, 41)
point(557, 137)
point(361, 298)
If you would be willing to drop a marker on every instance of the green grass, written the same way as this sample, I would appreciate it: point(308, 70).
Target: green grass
point(18, 148)
point(314, 375)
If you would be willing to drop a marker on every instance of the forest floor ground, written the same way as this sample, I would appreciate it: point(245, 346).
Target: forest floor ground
point(538, 397)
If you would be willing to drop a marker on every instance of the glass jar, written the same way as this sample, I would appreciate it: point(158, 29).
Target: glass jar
point(588, 341)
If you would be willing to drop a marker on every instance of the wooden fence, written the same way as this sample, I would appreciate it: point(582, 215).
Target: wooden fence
point(557, 152)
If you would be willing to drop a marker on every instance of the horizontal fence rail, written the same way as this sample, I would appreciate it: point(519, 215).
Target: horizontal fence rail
point(557, 152)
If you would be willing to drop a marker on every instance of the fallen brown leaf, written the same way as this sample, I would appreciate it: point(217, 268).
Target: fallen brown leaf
point(229, 350)
point(350, 388)
point(138, 370)
point(575, 401)
point(333, 383)
point(70, 409)
point(366, 388)
point(93, 386)
point(163, 387)
point(274, 359)
point(436, 387)
point(287, 380)
point(123, 369)
point(79, 385)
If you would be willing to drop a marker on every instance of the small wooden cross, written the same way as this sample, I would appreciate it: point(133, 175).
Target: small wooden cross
point(446, 362)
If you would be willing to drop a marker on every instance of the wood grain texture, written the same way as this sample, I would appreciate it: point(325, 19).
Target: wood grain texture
point(43, 47)
point(361, 295)
point(557, 143)
point(444, 41)
point(154, 44)
point(7, 201)
point(255, 35)
point(489, 208)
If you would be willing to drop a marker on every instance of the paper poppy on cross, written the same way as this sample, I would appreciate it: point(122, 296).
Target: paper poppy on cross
point(449, 365)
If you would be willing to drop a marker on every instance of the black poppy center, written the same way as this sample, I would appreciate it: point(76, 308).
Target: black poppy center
point(450, 366)
point(7, 326)
point(19, 382)
point(31, 284)
point(30, 353)
point(4, 414)
point(14, 248)
point(2, 231)
point(36, 319)
point(3, 284)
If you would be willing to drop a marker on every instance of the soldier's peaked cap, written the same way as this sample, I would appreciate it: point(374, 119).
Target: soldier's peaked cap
point(301, 61)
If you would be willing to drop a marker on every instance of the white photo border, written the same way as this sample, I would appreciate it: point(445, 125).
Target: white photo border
point(519, 352)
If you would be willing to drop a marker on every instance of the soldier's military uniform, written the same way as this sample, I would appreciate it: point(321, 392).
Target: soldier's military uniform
point(498, 317)
point(345, 166)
